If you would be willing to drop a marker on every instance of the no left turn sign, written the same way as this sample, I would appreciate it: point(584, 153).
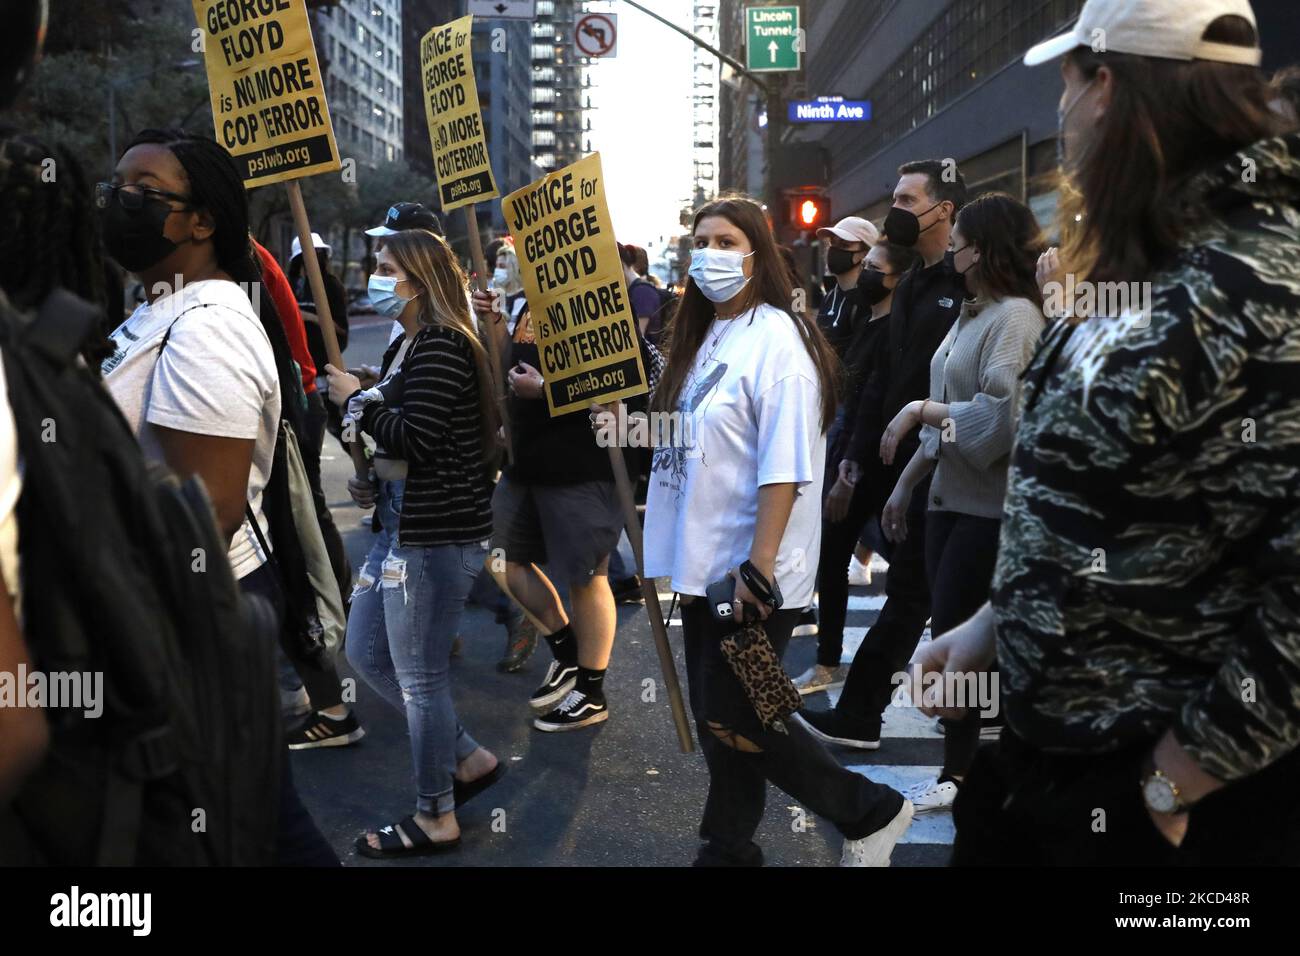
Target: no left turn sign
point(597, 35)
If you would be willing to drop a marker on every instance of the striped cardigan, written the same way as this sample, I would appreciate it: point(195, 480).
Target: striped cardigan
point(438, 432)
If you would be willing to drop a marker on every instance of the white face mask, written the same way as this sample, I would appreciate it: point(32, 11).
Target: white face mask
point(719, 274)
point(500, 278)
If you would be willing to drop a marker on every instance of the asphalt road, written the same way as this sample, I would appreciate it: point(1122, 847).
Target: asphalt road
point(618, 794)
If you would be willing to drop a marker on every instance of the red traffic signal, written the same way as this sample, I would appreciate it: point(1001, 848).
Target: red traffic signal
point(810, 212)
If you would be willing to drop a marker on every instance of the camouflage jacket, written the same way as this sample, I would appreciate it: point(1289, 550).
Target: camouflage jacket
point(1149, 569)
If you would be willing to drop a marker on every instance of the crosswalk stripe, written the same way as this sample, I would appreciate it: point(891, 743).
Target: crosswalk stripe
point(936, 827)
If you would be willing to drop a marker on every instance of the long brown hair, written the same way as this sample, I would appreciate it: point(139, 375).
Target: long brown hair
point(1010, 242)
point(1127, 208)
point(771, 284)
point(429, 262)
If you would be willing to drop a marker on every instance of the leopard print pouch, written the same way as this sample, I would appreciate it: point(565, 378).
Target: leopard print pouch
point(769, 689)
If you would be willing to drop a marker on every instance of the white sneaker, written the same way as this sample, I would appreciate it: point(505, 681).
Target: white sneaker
point(859, 573)
point(875, 849)
point(932, 795)
point(819, 677)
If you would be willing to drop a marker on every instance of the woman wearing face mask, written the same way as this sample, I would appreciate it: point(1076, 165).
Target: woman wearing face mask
point(1147, 572)
point(433, 419)
point(507, 280)
point(759, 385)
point(966, 434)
point(200, 374)
point(848, 508)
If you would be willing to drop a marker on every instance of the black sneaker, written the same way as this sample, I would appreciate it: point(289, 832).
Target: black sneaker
point(576, 710)
point(322, 730)
point(521, 641)
point(627, 590)
point(831, 727)
point(807, 626)
point(560, 679)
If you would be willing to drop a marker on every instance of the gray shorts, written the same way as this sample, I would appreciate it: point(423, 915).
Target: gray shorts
point(569, 528)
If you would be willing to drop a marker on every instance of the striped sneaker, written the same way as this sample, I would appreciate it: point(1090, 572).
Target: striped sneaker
point(576, 710)
point(322, 730)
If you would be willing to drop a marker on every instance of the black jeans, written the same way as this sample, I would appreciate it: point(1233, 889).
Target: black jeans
point(839, 539)
point(1020, 806)
point(794, 761)
point(890, 642)
point(298, 841)
point(312, 441)
point(960, 552)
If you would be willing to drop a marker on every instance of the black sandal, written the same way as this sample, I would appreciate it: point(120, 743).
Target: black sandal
point(464, 792)
point(391, 845)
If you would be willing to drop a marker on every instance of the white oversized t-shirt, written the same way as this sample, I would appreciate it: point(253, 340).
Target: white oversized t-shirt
point(753, 398)
point(216, 376)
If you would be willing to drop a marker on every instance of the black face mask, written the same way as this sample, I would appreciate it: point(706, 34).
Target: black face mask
point(134, 237)
point(904, 227)
point(840, 261)
point(872, 287)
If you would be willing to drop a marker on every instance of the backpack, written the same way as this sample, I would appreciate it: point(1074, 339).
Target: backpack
point(124, 573)
point(663, 313)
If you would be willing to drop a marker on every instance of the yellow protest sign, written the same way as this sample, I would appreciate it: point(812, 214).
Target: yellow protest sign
point(460, 154)
point(268, 96)
point(573, 277)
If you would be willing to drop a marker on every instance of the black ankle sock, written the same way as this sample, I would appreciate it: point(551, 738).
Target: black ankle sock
point(591, 683)
point(564, 645)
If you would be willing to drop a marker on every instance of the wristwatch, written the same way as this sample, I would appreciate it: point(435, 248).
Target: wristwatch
point(1161, 794)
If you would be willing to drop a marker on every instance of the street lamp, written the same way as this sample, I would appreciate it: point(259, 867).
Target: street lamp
point(112, 100)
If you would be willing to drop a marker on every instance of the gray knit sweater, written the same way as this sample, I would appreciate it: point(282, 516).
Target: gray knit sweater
point(976, 372)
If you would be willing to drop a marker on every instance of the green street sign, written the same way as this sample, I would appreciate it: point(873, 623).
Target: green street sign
point(773, 40)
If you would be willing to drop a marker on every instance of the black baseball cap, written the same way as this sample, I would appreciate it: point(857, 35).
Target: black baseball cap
point(407, 215)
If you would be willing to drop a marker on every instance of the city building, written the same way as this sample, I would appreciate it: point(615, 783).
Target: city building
point(945, 80)
point(503, 70)
point(561, 86)
point(705, 101)
point(361, 42)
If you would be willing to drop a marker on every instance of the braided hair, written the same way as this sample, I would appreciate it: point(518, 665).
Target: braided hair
point(48, 236)
point(216, 186)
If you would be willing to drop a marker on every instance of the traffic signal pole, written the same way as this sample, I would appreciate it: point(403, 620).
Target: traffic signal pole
point(771, 90)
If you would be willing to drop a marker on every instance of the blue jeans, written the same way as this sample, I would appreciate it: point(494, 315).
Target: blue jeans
point(406, 608)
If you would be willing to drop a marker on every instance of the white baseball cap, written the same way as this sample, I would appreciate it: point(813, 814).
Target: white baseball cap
point(853, 229)
point(316, 240)
point(1166, 29)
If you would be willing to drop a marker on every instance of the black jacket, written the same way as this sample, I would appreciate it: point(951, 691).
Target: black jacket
point(926, 303)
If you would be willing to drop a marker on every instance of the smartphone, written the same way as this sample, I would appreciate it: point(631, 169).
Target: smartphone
point(721, 596)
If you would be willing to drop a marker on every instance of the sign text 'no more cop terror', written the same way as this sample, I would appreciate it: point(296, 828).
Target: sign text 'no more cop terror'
point(573, 278)
point(268, 96)
point(456, 133)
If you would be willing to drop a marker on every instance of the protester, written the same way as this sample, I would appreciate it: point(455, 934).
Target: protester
point(759, 383)
point(335, 297)
point(847, 510)
point(848, 243)
point(966, 431)
point(200, 376)
point(331, 726)
point(24, 734)
point(1144, 606)
point(433, 418)
point(556, 505)
point(926, 302)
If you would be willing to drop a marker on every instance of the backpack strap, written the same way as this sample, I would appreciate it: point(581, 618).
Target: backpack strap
point(168, 334)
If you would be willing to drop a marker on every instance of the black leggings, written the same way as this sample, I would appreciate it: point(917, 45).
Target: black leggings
point(960, 552)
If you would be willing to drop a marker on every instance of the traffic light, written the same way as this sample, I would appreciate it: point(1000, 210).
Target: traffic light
point(810, 211)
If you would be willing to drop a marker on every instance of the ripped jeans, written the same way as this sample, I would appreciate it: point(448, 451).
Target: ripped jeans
point(406, 609)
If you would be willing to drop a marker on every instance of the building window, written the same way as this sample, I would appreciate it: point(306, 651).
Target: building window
point(969, 42)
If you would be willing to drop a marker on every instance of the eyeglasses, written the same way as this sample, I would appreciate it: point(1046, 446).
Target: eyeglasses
point(132, 196)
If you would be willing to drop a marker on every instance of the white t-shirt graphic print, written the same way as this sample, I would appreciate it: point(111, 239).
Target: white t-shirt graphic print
point(216, 376)
point(753, 398)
